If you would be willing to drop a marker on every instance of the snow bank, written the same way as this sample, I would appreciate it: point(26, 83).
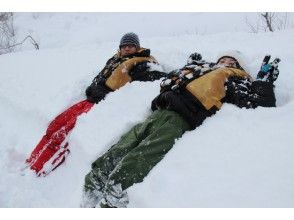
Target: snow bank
point(237, 158)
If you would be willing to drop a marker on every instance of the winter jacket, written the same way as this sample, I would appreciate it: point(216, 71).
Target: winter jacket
point(122, 69)
point(196, 94)
point(210, 90)
point(245, 93)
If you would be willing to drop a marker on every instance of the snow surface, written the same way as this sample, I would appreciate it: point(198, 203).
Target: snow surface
point(237, 158)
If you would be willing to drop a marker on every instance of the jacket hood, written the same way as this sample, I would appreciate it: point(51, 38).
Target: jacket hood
point(237, 55)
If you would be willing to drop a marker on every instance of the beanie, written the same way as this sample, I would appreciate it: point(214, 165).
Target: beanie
point(130, 38)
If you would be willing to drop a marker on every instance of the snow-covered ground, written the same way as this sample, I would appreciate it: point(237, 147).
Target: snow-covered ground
point(237, 158)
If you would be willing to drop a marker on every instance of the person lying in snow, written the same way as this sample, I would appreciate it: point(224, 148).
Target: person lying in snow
point(188, 96)
point(131, 63)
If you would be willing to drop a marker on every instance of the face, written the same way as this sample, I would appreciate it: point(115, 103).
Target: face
point(228, 62)
point(128, 49)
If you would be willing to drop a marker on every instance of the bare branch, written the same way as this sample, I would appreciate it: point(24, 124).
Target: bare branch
point(36, 45)
point(268, 19)
point(7, 33)
point(253, 28)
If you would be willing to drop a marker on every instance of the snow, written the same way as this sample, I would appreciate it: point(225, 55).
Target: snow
point(237, 158)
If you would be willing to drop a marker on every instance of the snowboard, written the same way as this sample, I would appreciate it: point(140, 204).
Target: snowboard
point(53, 148)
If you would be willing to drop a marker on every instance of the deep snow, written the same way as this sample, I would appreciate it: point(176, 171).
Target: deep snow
point(237, 158)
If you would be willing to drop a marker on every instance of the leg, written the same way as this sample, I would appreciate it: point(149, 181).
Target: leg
point(95, 180)
point(164, 127)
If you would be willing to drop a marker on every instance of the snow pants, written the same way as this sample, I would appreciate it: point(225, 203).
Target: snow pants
point(132, 158)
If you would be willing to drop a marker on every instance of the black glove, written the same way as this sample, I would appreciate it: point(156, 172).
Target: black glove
point(169, 81)
point(195, 62)
point(194, 58)
point(96, 92)
point(139, 71)
point(238, 91)
point(143, 72)
point(269, 72)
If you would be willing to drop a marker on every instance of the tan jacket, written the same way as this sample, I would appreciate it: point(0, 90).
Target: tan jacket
point(120, 76)
point(209, 89)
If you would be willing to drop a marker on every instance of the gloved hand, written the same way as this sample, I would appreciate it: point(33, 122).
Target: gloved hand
point(236, 85)
point(168, 82)
point(96, 92)
point(194, 57)
point(269, 72)
point(196, 62)
point(139, 71)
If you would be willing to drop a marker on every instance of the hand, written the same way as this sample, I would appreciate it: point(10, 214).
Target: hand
point(196, 62)
point(237, 85)
point(238, 91)
point(269, 72)
point(139, 71)
point(96, 92)
point(168, 82)
point(194, 57)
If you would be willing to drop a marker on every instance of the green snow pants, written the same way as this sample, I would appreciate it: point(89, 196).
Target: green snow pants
point(137, 152)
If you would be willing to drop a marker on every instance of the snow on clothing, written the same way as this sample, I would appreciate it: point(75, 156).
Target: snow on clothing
point(209, 89)
point(131, 159)
point(187, 98)
point(203, 93)
point(122, 69)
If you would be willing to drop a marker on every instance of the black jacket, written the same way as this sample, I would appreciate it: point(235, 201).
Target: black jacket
point(239, 91)
point(185, 104)
point(140, 72)
point(244, 93)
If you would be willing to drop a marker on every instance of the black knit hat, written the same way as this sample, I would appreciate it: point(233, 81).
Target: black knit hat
point(130, 38)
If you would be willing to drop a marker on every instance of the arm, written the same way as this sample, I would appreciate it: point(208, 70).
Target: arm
point(244, 93)
point(195, 62)
point(262, 94)
point(97, 91)
point(269, 72)
point(144, 72)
